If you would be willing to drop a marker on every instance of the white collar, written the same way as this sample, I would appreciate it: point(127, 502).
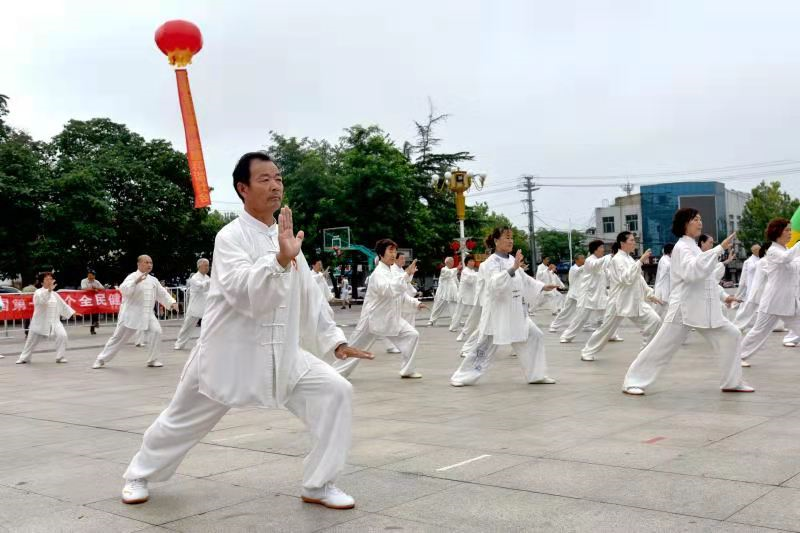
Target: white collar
point(259, 226)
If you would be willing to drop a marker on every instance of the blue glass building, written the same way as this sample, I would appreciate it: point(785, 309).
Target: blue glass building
point(659, 203)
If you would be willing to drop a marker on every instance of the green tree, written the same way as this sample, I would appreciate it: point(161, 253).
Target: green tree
point(555, 244)
point(767, 202)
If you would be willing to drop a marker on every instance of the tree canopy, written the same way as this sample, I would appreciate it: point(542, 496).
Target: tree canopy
point(768, 201)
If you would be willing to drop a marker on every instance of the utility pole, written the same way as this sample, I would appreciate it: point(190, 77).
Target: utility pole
point(528, 186)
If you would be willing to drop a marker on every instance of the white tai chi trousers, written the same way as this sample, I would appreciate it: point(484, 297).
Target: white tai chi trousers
point(441, 307)
point(189, 322)
point(566, 315)
point(479, 359)
point(322, 399)
point(648, 324)
point(462, 310)
point(59, 336)
point(764, 325)
point(650, 361)
point(122, 334)
point(580, 319)
point(472, 323)
point(406, 341)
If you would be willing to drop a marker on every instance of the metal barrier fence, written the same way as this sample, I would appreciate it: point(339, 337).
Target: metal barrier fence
point(181, 294)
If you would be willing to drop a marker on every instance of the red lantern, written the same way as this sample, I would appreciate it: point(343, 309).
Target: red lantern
point(180, 40)
point(455, 246)
point(471, 245)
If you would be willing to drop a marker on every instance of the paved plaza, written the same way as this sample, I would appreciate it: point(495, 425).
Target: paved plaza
point(500, 456)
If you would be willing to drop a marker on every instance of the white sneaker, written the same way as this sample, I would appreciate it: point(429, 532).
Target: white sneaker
point(790, 344)
point(551, 330)
point(21, 362)
point(634, 391)
point(745, 364)
point(564, 341)
point(155, 364)
point(98, 363)
point(460, 338)
point(544, 381)
point(587, 358)
point(140, 344)
point(780, 330)
point(430, 324)
point(176, 347)
point(135, 491)
point(414, 375)
point(330, 496)
point(2, 356)
point(392, 350)
point(62, 360)
point(616, 338)
point(743, 387)
point(457, 384)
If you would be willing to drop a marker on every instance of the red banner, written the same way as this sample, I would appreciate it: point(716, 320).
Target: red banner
point(194, 150)
point(18, 306)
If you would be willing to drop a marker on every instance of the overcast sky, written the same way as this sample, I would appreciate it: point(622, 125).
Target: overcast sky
point(556, 89)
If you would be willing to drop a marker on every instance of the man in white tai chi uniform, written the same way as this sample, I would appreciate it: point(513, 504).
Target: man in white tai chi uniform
point(264, 321)
point(662, 286)
point(570, 308)
point(446, 297)
point(48, 310)
point(198, 285)
point(381, 314)
point(694, 303)
point(593, 297)
point(321, 279)
point(140, 291)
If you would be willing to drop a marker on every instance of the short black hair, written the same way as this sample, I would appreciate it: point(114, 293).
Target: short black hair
point(622, 236)
point(399, 255)
point(594, 245)
point(682, 217)
point(382, 245)
point(667, 249)
point(41, 276)
point(764, 247)
point(241, 172)
point(469, 258)
point(775, 228)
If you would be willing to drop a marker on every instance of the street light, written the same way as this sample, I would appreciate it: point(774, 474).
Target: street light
point(460, 181)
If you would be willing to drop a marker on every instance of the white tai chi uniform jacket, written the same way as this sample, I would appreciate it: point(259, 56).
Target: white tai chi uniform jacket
point(381, 316)
point(48, 310)
point(466, 297)
point(262, 325)
point(322, 282)
point(470, 330)
point(505, 320)
point(570, 307)
point(694, 303)
point(198, 285)
point(593, 296)
point(747, 277)
point(627, 298)
point(407, 311)
point(781, 297)
point(446, 297)
point(136, 315)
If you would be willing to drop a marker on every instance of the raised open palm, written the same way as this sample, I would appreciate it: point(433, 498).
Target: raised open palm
point(288, 242)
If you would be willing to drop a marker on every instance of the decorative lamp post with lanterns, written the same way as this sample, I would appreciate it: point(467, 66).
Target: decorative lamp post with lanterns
point(460, 181)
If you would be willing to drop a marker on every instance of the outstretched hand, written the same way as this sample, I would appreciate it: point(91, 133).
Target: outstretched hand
point(288, 242)
point(412, 268)
point(728, 242)
point(344, 351)
point(730, 300)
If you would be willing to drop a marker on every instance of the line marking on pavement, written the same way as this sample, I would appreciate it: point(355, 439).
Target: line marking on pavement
point(462, 463)
point(654, 440)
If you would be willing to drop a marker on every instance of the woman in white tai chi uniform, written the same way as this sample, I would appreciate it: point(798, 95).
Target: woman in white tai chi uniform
point(381, 314)
point(694, 303)
point(470, 330)
point(265, 320)
point(48, 310)
point(466, 293)
point(198, 285)
point(570, 308)
point(504, 318)
point(781, 298)
point(627, 298)
point(444, 301)
point(662, 286)
point(748, 271)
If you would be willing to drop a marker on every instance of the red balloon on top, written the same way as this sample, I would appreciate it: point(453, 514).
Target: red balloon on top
point(179, 40)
